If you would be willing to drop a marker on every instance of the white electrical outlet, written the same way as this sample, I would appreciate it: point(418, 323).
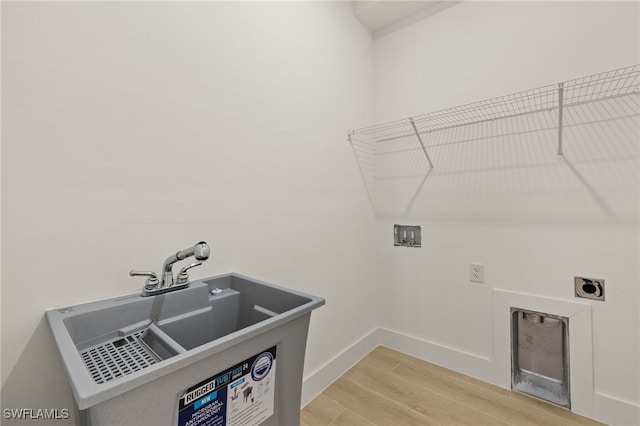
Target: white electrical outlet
point(476, 272)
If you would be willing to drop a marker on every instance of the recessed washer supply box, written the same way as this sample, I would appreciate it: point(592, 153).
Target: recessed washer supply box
point(407, 235)
point(188, 357)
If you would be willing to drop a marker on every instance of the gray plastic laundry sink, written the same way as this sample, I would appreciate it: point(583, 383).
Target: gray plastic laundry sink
point(112, 348)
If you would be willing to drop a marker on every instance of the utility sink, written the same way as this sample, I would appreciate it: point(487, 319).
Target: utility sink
point(115, 346)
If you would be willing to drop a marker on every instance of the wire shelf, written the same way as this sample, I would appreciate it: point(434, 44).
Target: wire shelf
point(395, 158)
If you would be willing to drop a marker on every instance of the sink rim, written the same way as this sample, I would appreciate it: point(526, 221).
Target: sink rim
point(88, 393)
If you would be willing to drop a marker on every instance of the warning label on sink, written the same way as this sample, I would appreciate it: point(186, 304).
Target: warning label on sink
point(242, 395)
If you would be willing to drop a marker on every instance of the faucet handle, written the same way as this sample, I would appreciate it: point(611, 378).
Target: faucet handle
point(183, 277)
point(151, 282)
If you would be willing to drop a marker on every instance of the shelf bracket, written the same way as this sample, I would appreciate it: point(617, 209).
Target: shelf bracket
point(415, 129)
point(560, 107)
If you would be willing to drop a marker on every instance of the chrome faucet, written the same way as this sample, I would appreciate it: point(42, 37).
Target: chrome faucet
point(166, 283)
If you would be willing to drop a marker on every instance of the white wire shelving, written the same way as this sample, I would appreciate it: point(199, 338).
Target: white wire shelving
point(403, 153)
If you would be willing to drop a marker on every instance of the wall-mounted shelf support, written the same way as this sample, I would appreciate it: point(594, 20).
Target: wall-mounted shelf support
point(560, 107)
point(424, 149)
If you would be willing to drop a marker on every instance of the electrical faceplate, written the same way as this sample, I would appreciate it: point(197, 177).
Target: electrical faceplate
point(476, 272)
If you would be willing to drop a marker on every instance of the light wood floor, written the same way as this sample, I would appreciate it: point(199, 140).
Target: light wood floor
point(391, 388)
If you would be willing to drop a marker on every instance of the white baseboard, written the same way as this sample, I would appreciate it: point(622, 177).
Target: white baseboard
point(319, 380)
point(606, 408)
point(614, 411)
point(454, 359)
point(471, 364)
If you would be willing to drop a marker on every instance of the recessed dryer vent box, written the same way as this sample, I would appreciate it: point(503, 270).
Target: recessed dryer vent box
point(407, 235)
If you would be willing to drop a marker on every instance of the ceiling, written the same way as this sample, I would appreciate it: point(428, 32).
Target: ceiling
point(382, 17)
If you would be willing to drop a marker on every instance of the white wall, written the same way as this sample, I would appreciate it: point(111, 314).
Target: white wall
point(534, 221)
point(134, 129)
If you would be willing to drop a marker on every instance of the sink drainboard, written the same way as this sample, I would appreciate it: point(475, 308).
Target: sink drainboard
point(118, 357)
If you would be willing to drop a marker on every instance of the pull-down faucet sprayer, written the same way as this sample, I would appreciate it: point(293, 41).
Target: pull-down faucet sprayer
point(166, 283)
point(200, 251)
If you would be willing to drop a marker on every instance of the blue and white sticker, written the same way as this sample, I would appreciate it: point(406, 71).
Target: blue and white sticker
point(261, 366)
point(243, 395)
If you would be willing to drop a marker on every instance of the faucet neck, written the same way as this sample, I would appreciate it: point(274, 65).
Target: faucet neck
point(200, 251)
point(166, 283)
point(167, 278)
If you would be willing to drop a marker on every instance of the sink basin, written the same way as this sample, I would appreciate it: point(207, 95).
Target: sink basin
point(112, 347)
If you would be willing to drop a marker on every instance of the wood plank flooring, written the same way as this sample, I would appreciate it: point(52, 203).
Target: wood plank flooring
point(390, 388)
